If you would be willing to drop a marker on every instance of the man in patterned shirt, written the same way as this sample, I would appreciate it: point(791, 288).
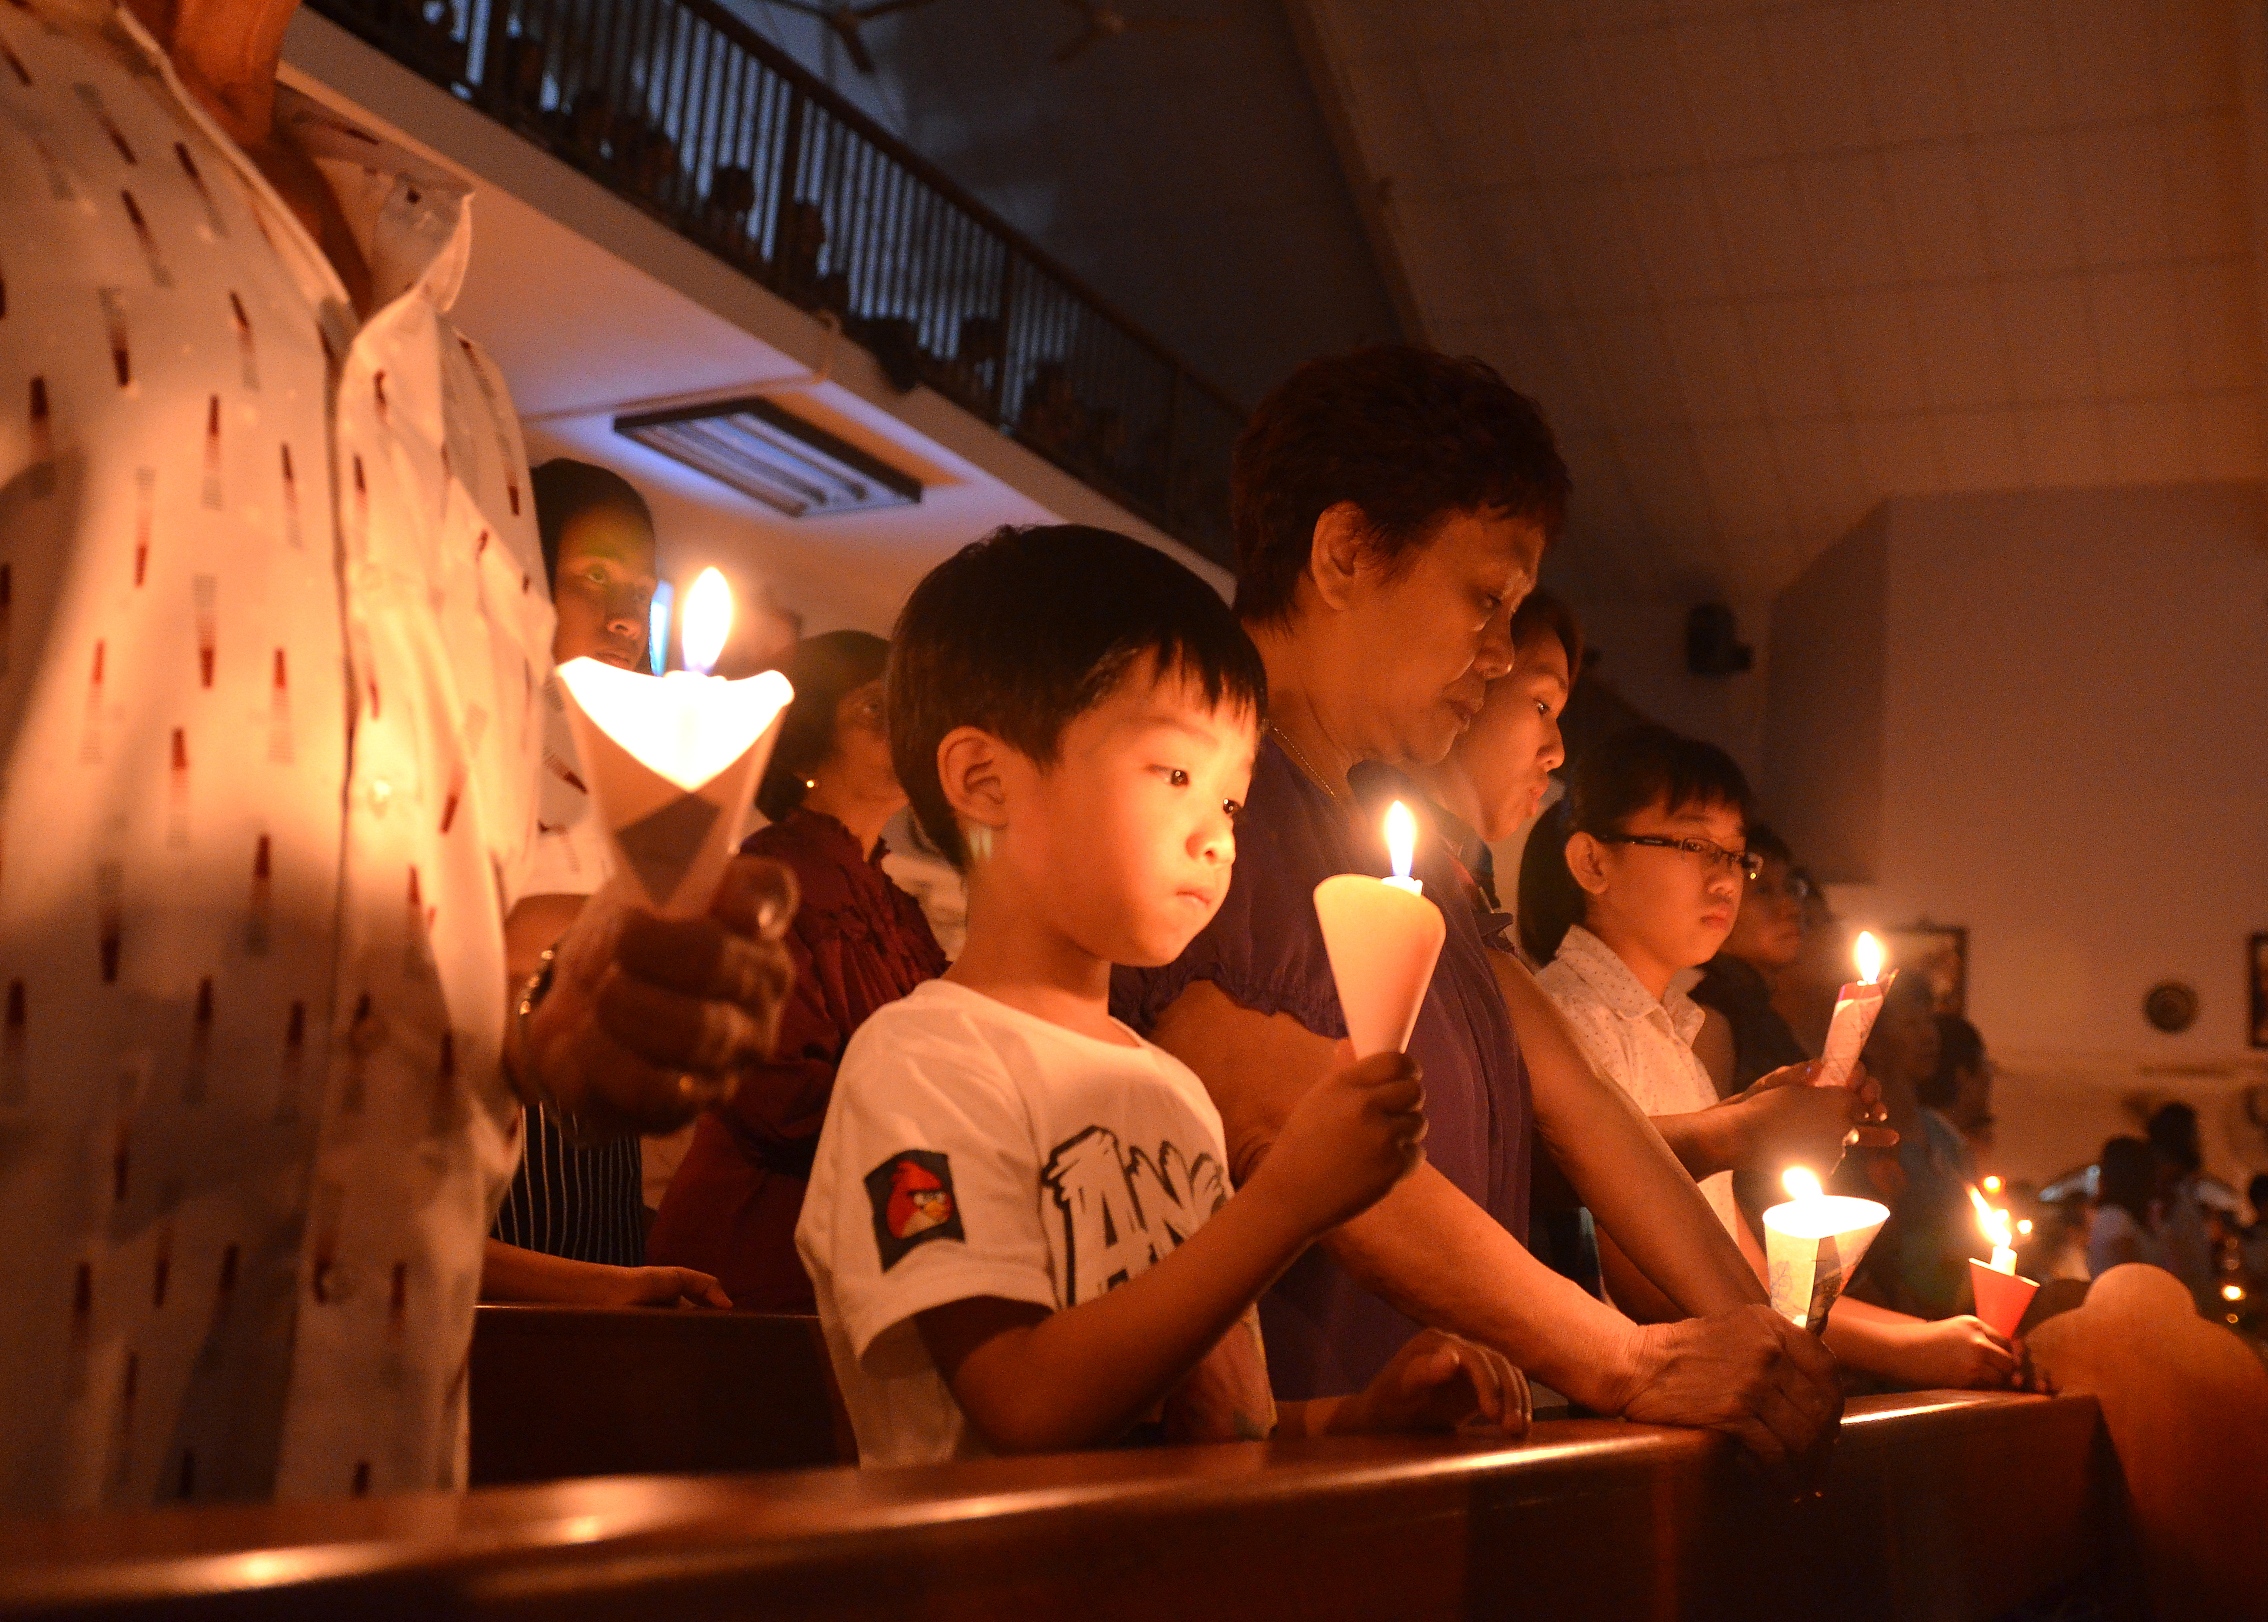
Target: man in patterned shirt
point(272, 636)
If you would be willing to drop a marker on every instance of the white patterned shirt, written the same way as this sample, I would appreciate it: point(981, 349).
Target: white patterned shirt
point(273, 622)
point(1642, 1043)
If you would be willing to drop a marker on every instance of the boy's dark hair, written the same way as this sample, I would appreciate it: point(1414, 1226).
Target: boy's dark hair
point(1542, 614)
point(1023, 632)
point(821, 669)
point(1612, 783)
point(566, 489)
point(1960, 1047)
point(1408, 435)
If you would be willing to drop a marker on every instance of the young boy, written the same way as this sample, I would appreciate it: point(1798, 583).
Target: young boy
point(1658, 854)
point(1019, 1224)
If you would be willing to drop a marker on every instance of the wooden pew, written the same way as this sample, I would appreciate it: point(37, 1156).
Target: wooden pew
point(1946, 1505)
point(571, 1391)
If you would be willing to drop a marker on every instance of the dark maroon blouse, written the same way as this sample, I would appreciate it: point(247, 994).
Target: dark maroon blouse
point(1326, 1335)
point(858, 942)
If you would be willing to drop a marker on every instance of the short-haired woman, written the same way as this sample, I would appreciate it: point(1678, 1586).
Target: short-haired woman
point(1655, 855)
point(1390, 508)
point(858, 941)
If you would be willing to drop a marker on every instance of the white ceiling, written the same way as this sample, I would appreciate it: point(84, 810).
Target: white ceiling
point(591, 309)
point(1766, 264)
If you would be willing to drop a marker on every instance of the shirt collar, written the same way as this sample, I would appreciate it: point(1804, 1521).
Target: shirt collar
point(1610, 979)
point(411, 219)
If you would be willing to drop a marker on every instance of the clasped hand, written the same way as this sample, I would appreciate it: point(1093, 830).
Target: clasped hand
point(651, 1020)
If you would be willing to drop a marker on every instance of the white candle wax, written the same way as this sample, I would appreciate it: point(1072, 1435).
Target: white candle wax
point(1855, 1009)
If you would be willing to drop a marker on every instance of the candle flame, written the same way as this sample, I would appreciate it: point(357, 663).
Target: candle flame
point(1868, 955)
point(1401, 838)
point(706, 621)
point(1992, 1185)
point(1801, 1182)
point(1993, 1224)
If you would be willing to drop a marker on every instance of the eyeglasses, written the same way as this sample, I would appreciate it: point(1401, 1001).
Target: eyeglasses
point(1712, 855)
point(1798, 886)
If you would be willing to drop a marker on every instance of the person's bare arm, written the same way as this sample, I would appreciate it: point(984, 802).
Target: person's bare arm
point(1946, 1353)
point(1034, 1381)
point(1780, 1120)
point(510, 1273)
point(1640, 1195)
point(1435, 1255)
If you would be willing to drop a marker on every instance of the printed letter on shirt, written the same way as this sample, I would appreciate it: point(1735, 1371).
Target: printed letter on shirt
point(1122, 1210)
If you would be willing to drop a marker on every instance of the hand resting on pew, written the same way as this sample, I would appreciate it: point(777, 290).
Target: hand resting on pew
point(511, 1273)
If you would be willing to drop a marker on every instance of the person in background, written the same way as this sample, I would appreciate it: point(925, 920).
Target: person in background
point(1957, 1097)
point(858, 943)
point(1391, 508)
point(1020, 1222)
point(275, 671)
point(2124, 1228)
point(1494, 777)
point(2187, 1201)
point(2253, 1242)
point(1767, 941)
point(572, 1228)
point(1918, 1263)
point(1658, 851)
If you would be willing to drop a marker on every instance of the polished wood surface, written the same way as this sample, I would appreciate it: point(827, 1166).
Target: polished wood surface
point(2186, 1406)
point(571, 1391)
point(1942, 1505)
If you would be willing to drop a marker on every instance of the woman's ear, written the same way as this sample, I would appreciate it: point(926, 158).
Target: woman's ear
point(1586, 859)
point(1335, 554)
point(968, 769)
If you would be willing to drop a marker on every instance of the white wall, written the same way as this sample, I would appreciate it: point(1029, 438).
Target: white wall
point(2074, 764)
point(1642, 645)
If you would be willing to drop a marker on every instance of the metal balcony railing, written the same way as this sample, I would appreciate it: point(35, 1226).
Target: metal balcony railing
point(684, 110)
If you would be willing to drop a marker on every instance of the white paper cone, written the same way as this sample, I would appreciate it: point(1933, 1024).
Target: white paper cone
point(1383, 943)
point(1855, 1011)
point(1811, 1248)
point(672, 764)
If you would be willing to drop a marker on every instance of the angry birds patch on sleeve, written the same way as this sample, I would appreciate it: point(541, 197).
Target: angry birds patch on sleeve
point(912, 1196)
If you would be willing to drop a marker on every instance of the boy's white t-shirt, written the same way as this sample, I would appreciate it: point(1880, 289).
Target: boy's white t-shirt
point(972, 1149)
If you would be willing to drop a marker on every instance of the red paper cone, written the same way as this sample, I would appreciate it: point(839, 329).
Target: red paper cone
point(2001, 1297)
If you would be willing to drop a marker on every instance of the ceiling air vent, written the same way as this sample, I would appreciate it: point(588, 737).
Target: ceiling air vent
point(772, 456)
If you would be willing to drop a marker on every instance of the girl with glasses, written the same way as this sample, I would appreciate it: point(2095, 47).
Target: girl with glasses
point(1636, 887)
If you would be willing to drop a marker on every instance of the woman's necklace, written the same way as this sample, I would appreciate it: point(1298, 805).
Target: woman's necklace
point(1337, 797)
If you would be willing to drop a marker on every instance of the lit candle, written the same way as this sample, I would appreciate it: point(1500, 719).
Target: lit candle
point(1383, 937)
point(1812, 1245)
point(2001, 1295)
point(1995, 1226)
point(1401, 847)
point(672, 764)
point(1855, 1010)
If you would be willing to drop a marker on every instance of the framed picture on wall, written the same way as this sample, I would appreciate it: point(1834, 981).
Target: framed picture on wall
point(1939, 952)
point(2256, 980)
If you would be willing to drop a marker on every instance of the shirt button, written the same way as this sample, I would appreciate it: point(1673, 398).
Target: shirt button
point(381, 795)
